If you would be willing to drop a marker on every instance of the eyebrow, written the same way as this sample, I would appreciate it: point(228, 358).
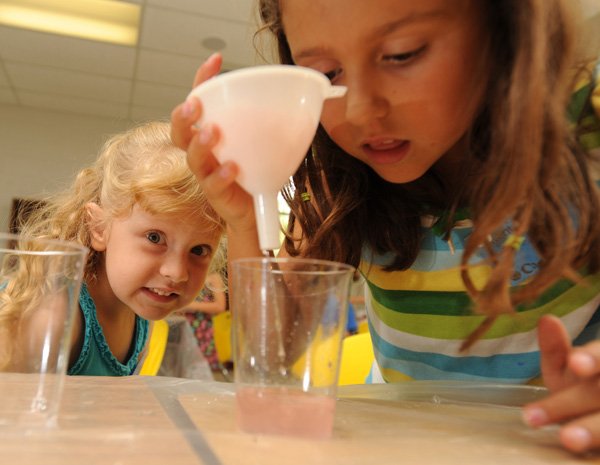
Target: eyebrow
point(387, 28)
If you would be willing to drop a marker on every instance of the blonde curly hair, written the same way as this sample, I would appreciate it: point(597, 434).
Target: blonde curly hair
point(140, 166)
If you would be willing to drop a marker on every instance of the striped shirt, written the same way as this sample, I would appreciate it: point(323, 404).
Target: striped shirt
point(418, 318)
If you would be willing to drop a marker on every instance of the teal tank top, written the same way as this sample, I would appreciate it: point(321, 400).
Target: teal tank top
point(95, 358)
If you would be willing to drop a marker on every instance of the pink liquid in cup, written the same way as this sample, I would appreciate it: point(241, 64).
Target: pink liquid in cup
point(284, 411)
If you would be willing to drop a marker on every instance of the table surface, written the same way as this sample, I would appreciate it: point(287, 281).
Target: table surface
point(157, 420)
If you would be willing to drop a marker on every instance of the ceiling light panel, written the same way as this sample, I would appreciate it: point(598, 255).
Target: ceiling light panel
point(109, 21)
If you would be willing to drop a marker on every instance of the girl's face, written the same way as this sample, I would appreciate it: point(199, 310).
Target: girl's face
point(153, 264)
point(413, 72)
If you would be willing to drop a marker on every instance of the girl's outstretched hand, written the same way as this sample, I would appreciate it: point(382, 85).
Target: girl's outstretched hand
point(572, 374)
point(232, 203)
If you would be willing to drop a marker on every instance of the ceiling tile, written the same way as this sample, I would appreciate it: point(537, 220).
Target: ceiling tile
point(158, 96)
point(164, 68)
point(3, 78)
point(140, 113)
point(56, 81)
point(239, 10)
point(7, 95)
point(24, 46)
point(183, 33)
point(74, 105)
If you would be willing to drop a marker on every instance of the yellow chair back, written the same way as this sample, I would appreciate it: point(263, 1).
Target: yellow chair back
point(357, 351)
point(157, 345)
point(357, 359)
point(222, 335)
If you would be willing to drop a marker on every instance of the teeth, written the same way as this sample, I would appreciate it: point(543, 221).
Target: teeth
point(159, 291)
point(386, 143)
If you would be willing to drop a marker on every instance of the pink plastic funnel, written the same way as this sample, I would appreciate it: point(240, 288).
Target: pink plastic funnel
point(268, 116)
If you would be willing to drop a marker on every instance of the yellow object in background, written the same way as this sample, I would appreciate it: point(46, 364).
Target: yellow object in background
point(157, 345)
point(363, 327)
point(320, 349)
point(357, 359)
point(357, 352)
point(222, 336)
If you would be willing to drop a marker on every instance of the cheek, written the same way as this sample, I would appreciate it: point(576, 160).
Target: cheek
point(197, 279)
point(333, 114)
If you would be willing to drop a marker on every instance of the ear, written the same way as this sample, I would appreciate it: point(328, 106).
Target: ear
point(97, 226)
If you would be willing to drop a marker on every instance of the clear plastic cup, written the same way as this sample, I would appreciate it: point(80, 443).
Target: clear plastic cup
point(289, 318)
point(40, 282)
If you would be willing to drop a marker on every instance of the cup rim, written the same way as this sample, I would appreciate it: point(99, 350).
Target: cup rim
point(335, 267)
point(272, 69)
point(66, 247)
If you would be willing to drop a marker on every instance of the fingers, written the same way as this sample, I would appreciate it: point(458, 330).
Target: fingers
point(574, 376)
point(582, 435)
point(579, 406)
point(208, 69)
point(555, 348)
point(584, 361)
point(578, 400)
point(186, 114)
point(199, 152)
point(183, 118)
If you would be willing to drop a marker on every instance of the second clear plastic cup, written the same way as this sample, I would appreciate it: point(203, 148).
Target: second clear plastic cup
point(289, 319)
point(40, 282)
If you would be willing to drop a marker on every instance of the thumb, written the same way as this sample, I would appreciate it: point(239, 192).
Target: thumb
point(555, 346)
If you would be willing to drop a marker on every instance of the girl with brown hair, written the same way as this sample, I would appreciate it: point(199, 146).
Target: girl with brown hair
point(451, 175)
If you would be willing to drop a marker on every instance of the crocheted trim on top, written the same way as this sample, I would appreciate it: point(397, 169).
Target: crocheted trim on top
point(93, 326)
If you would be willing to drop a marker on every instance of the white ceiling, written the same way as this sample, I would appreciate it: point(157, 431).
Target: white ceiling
point(78, 76)
point(59, 73)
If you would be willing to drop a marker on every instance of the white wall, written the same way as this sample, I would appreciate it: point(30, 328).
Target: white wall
point(41, 151)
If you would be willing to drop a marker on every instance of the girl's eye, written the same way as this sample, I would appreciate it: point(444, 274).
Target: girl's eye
point(333, 74)
point(404, 58)
point(154, 237)
point(201, 250)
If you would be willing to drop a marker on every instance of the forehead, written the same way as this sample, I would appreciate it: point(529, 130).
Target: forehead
point(342, 21)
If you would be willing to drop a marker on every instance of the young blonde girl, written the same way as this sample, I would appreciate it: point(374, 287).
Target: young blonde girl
point(452, 177)
point(152, 237)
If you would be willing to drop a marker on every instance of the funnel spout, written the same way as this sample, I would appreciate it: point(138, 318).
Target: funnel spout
point(335, 91)
point(267, 220)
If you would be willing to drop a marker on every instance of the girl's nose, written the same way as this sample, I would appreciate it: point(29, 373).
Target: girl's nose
point(363, 103)
point(174, 268)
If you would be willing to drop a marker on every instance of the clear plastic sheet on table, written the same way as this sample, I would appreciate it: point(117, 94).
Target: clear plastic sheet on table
point(169, 420)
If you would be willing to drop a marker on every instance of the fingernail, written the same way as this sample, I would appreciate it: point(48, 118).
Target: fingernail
point(535, 416)
point(585, 363)
point(576, 438)
point(225, 171)
point(205, 135)
point(187, 109)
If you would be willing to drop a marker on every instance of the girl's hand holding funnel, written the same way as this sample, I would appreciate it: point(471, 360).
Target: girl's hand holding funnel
point(267, 116)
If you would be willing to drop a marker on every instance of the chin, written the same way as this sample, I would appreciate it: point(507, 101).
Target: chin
point(154, 314)
point(399, 178)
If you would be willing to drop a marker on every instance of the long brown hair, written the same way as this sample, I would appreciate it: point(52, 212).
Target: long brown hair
point(525, 167)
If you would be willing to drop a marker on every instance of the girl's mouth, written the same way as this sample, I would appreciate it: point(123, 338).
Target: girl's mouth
point(160, 295)
point(386, 151)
